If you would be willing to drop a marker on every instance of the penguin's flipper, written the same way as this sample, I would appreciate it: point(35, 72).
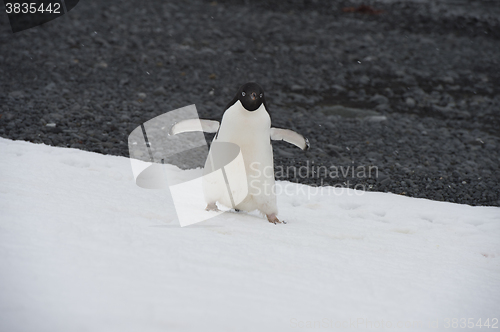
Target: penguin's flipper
point(208, 126)
point(289, 136)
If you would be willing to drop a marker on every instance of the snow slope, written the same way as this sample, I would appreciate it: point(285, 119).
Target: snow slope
point(82, 248)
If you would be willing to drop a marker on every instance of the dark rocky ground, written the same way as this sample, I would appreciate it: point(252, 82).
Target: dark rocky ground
point(413, 90)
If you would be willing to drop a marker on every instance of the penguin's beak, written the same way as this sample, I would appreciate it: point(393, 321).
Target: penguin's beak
point(253, 95)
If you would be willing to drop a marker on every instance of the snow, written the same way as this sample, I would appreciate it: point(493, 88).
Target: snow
point(83, 248)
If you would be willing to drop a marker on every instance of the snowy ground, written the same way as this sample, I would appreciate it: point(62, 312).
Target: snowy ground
point(82, 248)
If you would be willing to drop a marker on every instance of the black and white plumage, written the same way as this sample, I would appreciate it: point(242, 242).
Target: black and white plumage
point(246, 122)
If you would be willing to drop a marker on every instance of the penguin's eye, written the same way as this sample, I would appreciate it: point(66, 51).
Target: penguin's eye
point(261, 95)
point(243, 93)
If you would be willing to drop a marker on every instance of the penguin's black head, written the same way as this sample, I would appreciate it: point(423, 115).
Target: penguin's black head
point(251, 96)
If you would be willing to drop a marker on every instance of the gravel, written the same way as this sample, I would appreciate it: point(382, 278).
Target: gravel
point(411, 94)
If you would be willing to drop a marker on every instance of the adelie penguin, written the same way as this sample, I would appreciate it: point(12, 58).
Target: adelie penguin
point(246, 123)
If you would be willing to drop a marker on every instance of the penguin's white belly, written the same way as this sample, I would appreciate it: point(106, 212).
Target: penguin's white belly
point(251, 132)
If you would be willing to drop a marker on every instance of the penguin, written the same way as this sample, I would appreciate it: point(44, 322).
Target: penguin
point(246, 122)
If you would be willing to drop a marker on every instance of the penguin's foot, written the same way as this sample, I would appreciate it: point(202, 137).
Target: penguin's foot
point(273, 219)
point(212, 207)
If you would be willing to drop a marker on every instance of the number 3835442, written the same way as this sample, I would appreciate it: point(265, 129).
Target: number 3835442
point(32, 8)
